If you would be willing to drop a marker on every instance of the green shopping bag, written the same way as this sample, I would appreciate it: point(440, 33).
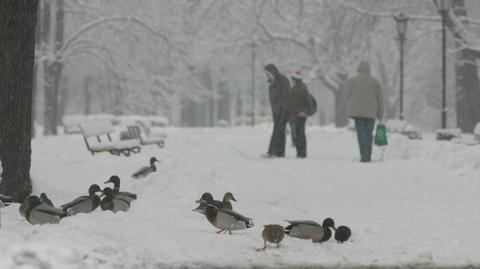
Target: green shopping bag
point(381, 135)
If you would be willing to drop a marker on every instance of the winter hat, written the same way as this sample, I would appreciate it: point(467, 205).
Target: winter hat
point(363, 67)
point(297, 75)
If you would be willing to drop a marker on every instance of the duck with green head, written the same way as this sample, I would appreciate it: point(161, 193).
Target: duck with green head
point(38, 213)
point(309, 229)
point(225, 203)
point(146, 170)
point(224, 219)
point(85, 203)
point(116, 188)
point(114, 202)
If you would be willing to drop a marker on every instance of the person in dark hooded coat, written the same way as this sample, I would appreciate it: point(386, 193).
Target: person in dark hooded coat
point(279, 93)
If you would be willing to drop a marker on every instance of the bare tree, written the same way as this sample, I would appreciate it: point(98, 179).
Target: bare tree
point(17, 32)
point(53, 66)
point(466, 69)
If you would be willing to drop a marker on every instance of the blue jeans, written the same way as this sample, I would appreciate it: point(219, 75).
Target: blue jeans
point(364, 127)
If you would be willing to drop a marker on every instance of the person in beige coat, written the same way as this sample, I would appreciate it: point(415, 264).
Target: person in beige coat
point(365, 104)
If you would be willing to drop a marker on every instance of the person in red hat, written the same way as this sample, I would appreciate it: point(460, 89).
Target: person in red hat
point(298, 108)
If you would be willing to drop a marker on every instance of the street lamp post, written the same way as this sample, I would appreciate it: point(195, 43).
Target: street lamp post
point(443, 7)
point(401, 20)
point(253, 45)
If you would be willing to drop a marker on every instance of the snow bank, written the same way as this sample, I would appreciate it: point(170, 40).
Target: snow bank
point(416, 208)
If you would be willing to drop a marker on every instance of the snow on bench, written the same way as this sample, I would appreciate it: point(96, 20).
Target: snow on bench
point(448, 134)
point(146, 129)
point(396, 126)
point(105, 128)
point(135, 132)
point(158, 121)
point(412, 133)
point(401, 127)
point(71, 123)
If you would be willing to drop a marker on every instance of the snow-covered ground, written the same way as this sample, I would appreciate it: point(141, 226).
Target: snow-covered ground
point(420, 206)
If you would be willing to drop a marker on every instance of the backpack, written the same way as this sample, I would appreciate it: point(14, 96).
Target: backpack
point(311, 105)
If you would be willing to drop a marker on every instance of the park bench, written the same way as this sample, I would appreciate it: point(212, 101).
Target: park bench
point(403, 128)
point(449, 134)
point(136, 132)
point(104, 129)
point(71, 123)
point(396, 126)
point(146, 129)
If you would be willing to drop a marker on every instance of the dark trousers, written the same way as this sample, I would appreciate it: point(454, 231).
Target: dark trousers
point(277, 142)
point(364, 127)
point(300, 138)
point(291, 123)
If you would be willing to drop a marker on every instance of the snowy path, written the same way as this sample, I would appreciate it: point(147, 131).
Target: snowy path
point(416, 207)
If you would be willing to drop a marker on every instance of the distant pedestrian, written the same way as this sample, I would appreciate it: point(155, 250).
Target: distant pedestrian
point(298, 108)
point(279, 94)
point(365, 104)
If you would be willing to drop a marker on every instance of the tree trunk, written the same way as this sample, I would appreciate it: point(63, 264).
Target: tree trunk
point(17, 50)
point(466, 78)
point(53, 72)
point(86, 93)
point(341, 118)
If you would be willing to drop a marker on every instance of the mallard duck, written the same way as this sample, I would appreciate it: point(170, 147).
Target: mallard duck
point(45, 201)
point(24, 206)
point(116, 188)
point(206, 196)
point(85, 203)
point(225, 203)
point(272, 233)
point(227, 197)
point(114, 202)
point(308, 229)
point(38, 213)
point(342, 234)
point(225, 219)
point(146, 170)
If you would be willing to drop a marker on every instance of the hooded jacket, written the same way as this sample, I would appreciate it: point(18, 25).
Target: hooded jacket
point(364, 94)
point(278, 90)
